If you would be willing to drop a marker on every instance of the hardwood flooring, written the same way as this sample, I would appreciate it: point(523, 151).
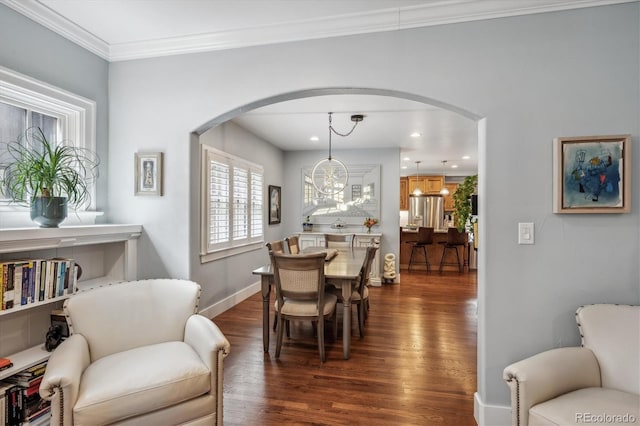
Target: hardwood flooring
point(416, 364)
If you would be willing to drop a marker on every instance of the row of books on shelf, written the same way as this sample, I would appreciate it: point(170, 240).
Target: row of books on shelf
point(35, 280)
point(20, 401)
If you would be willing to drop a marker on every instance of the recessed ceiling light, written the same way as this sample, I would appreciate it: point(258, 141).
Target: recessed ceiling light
point(466, 157)
point(403, 167)
point(416, 134)
point(314, 139)
point(454, 166)
point(406, 159)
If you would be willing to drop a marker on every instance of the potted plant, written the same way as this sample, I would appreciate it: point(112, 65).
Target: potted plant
point(48, 177)
point(307, 226)
point(462, 202)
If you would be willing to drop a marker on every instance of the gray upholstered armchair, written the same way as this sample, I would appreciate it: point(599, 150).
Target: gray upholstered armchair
point(598, 382)
point(138, 354)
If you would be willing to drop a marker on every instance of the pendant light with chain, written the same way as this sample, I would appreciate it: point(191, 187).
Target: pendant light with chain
point(444, 190)
point(416, 190)
point(330, 176)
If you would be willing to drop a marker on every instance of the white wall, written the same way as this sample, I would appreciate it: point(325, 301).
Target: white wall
point(30, 49)
point(223, 278)
point(533, 78)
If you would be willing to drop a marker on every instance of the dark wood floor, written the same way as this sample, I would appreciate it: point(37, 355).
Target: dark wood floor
point(416, 364)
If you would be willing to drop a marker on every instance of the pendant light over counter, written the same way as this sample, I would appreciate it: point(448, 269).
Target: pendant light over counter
point(416, 190)
point(444, 190)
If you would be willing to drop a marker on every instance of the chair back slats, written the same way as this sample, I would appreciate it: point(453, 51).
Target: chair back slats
point(294, 246)
point(366, 268)
point(276, 246)
point(339, 240)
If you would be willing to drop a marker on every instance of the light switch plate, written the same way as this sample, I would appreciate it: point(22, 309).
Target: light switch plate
point(525, 233)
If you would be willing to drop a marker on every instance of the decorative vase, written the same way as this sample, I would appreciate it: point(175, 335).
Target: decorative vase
point(49, 212)
point(368, 230)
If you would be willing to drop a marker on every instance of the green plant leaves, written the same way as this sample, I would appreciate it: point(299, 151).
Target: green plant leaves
point(35, 167)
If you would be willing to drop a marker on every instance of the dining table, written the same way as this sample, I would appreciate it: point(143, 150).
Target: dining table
point(340, 270)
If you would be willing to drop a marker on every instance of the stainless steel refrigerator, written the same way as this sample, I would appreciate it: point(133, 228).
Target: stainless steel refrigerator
point(426, 210)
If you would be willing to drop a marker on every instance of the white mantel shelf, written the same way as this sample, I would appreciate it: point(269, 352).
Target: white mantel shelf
point(25, 239)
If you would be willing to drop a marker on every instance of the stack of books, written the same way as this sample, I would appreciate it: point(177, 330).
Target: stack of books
point(26, 282)
point(20, 402)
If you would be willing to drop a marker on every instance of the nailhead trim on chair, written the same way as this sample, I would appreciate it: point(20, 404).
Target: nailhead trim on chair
point(517, 399)
point(61, 414)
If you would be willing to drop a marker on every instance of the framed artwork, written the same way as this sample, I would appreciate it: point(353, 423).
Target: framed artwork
point(148, 172)
point(275, 200)
point(592, 174)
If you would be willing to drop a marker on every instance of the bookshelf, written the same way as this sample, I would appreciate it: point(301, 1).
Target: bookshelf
point(106, 253)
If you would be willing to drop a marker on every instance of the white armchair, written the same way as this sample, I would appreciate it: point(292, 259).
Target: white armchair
point(139, 354)
point(598, 382)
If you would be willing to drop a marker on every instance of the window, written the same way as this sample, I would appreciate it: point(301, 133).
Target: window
point(232, 205)
point(62, 116)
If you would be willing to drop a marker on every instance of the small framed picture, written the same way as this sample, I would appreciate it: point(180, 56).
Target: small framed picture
point(148, 172)
point(592, 174)
point(274, 204)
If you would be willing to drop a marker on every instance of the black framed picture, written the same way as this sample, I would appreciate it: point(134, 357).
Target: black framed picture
point(275, 200)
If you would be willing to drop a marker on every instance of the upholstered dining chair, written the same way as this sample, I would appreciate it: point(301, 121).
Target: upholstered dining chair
point(360, 294)
point(275, 247)
point(293, 243)
point(339, 240)
point(300, 294)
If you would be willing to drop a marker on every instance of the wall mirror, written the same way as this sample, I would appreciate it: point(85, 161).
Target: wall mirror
point(360, 199)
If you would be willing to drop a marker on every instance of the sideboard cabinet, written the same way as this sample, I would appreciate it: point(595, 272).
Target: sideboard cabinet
point(316, 239)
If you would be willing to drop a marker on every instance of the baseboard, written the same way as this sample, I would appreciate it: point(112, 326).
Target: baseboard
point(231, 301)
point(490, 415)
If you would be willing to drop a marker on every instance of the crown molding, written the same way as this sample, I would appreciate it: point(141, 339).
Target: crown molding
point(46, 17)
point(434, 13)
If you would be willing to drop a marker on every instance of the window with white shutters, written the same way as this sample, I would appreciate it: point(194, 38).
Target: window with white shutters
point(232, 204)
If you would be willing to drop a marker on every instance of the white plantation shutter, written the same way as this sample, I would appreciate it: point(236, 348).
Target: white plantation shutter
point(240, 203)
point(232, 203)
point(219, 190)
point(256, 204)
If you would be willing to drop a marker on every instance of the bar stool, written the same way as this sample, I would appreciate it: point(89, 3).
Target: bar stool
point(455, 239)
point(425, 238)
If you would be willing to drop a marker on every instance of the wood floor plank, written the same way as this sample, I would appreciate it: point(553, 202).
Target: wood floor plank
point(416, 364)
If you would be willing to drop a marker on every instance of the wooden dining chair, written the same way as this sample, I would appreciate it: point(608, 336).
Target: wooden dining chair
point(339, 240)
point(360, 294)
point(300, 294)
point(275, 247)
point(293, 244)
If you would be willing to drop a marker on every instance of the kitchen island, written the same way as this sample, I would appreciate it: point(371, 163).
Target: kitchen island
point(409, 235)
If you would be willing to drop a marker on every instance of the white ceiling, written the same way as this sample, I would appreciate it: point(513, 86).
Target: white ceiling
point(132, 29)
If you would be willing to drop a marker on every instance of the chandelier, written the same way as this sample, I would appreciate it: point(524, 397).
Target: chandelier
point(330, 176)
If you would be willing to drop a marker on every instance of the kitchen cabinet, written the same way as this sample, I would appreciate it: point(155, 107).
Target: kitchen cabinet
point(404, 193)
point(427, 184)
point(448, 199)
